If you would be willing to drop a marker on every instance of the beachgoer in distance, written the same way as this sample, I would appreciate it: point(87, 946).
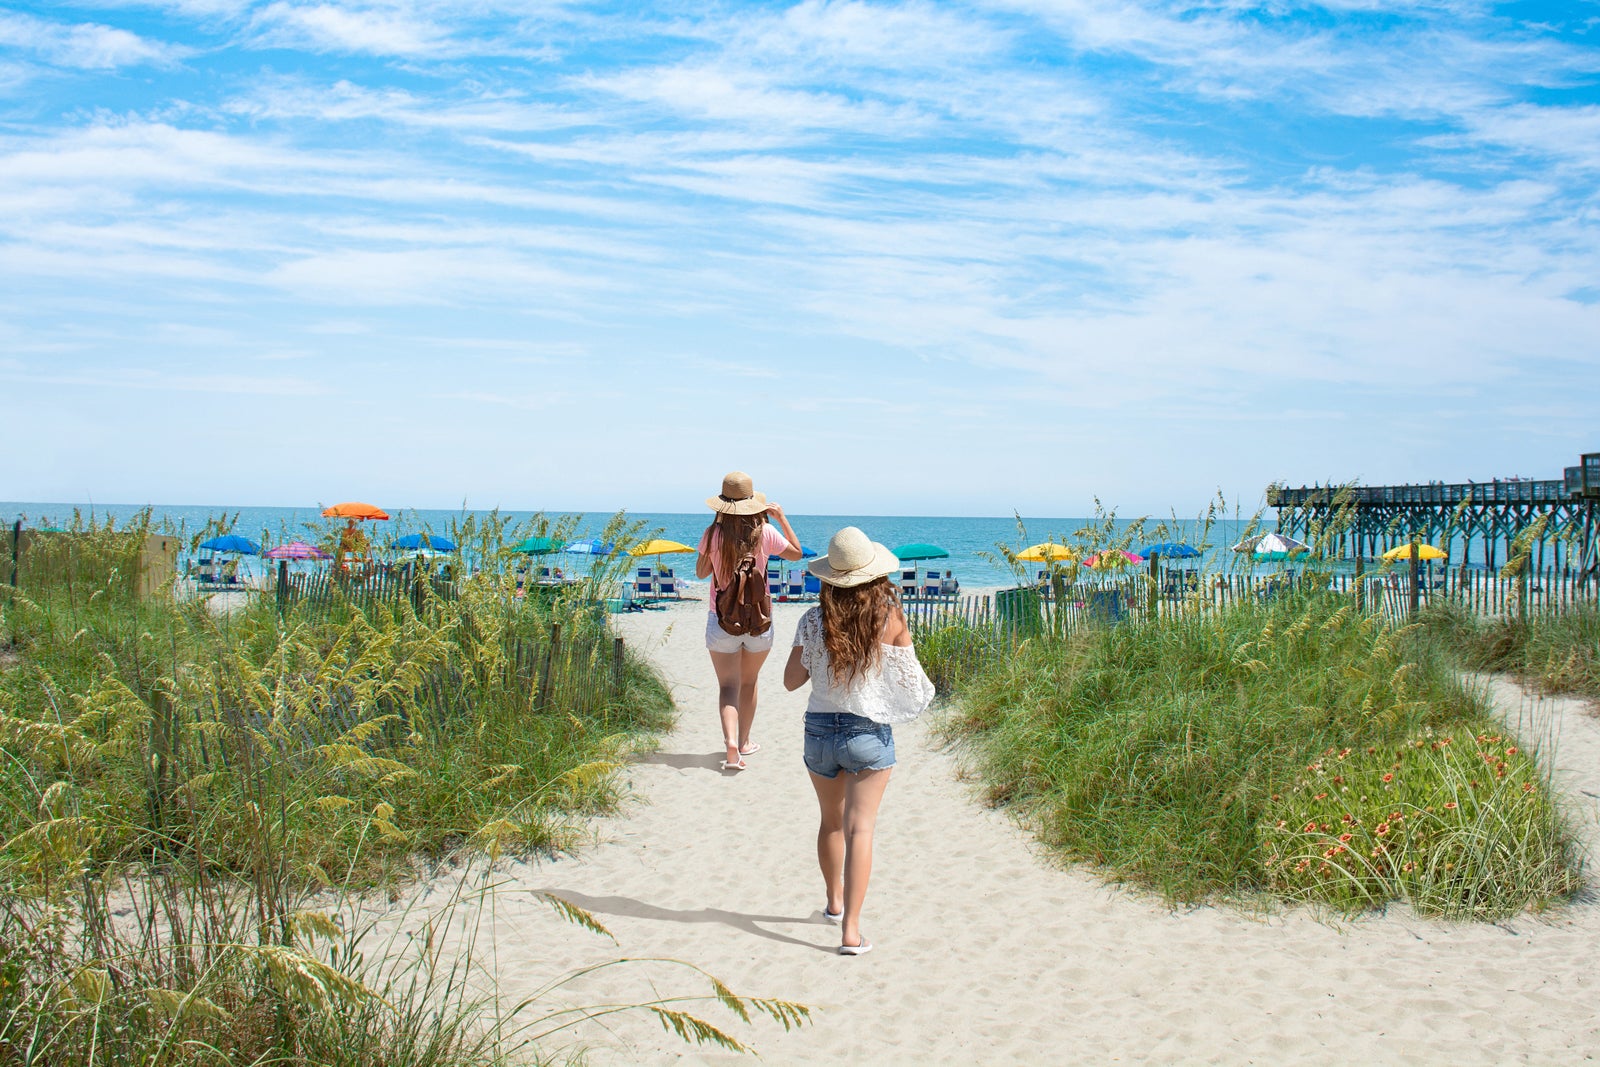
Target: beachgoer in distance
point(740, 529)
point(855, 649)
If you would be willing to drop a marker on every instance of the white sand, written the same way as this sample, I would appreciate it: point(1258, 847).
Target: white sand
point(988, 954)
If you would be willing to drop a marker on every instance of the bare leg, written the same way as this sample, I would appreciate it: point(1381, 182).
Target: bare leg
point(730, 687)
point(830, 837)
point(863, 794)
point(749, 673)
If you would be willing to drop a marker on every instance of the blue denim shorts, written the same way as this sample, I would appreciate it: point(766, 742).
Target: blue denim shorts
point(837, 743)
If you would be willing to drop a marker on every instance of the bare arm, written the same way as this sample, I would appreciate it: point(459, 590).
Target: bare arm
point(793, 551)
point(895, 630)
point(702, 561)
point(794, 672)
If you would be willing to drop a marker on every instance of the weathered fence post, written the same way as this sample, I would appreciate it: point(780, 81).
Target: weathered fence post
point(551, 651)
point(283, 586)
point(1416, 589)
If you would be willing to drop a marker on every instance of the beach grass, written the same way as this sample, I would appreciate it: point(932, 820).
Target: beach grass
point(1190, 753)
point(1554, 651)
point(197, 804)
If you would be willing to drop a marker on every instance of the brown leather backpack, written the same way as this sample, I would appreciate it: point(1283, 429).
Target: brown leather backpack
point(744, 605)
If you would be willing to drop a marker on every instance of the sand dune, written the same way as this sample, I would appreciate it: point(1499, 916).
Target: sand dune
point(986, 953)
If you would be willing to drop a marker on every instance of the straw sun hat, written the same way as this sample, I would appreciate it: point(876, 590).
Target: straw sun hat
point(739, 496)
point(853, 559)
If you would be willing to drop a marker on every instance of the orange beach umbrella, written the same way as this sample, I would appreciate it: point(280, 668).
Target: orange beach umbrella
point(354, 509)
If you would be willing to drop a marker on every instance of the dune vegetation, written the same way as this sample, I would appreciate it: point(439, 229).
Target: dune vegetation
point(196, 806)
point(1289, 746)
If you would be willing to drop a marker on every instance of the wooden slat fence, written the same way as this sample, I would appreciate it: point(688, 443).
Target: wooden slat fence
point(323, 590)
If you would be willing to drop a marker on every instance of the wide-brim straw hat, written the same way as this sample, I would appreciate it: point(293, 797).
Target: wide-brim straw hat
point(739, 496)
point(853, 559)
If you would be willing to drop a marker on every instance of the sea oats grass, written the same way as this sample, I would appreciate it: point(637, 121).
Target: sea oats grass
point(197, 809)
point(1168, 749)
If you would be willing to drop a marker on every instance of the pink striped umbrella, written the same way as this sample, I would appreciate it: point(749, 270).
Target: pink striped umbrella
point(295, 550)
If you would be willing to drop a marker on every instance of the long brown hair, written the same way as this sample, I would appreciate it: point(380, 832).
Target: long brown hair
point(852, 626)
point(740, 536)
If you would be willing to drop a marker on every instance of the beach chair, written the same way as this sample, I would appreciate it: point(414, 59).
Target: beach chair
point(644, 585)
point(813, 585)
point(794, 584)
point(667, 585)
point(774, 579)
point(950, 586)
point(908, 584)
point(930, 583)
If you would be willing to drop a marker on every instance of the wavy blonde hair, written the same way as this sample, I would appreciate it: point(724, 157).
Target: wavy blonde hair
point(852, 626)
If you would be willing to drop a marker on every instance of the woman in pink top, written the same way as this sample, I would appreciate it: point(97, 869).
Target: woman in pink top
point(740, 529)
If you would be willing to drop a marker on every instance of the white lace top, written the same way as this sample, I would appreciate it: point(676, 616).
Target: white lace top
point(897, 690)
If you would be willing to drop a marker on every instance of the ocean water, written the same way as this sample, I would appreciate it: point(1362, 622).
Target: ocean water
point(971, 541)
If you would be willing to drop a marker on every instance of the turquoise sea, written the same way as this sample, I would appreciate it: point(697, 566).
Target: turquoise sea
point(969, 540)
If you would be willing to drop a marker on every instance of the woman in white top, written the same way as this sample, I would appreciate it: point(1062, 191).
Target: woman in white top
point(855, 649)
point(740, 529)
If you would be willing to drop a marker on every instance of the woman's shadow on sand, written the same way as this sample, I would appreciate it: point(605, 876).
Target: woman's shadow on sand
point(684, 761)
point(638, 909)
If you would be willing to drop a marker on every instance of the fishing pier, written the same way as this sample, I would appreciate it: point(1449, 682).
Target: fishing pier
point(1482, 521)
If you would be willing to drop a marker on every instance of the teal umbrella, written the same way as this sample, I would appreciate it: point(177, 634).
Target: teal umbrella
point(918, 550)
point(537, 546)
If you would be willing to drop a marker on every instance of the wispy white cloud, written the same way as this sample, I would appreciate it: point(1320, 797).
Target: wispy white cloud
point(86, 45)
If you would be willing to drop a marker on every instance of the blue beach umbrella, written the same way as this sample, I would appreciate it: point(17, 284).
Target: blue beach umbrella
point(1170, 550)
point(232, 543)
point(592, 546)
point(415, 541)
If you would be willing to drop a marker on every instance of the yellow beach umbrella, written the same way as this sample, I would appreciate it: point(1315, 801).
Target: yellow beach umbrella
point(1403, 552)
point(1048, 552)
point(658, 547)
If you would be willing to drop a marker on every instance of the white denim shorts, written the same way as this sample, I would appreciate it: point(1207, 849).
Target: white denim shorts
point(720, 640)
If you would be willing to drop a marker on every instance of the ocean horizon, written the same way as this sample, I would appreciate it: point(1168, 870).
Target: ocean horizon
point(970, 540)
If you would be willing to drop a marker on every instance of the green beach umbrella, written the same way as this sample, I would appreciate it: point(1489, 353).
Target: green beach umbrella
point(919, 550)
point(537, 546)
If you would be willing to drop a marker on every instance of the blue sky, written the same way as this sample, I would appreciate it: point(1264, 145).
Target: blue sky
point(909, 258)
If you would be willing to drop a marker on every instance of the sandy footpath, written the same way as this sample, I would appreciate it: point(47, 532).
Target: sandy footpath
point(988, 954)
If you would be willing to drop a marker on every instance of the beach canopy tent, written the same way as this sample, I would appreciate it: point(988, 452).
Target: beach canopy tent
point(232, 543)
point(918, 550)
point(1401, 553)
point(591, 546)
point(1112, 559)
point(354, 509)
point(295, 550)
point(1170, 550)
point(1272, 547)
point(1047, 552)
point(537, 546)
point(433, 542)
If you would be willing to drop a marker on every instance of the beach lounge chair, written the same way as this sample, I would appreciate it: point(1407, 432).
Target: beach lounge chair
point(813, 585)
point(644, 585)
point(908, 584)
point(794, 583)
point(774, 579)
point(667, 585)
point(949, 586)
point(930, 583)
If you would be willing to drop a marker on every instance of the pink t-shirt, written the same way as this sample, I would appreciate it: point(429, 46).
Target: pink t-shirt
point(772, 542)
